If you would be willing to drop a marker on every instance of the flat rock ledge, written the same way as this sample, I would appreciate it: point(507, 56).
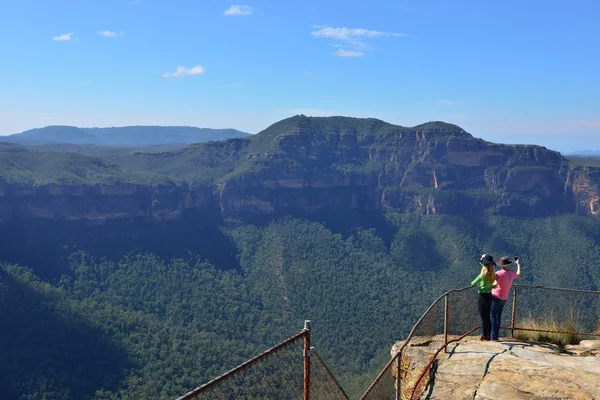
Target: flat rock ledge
point(510, 369)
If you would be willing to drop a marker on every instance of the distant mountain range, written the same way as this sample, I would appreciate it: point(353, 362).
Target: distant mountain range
point(585, 153)
point(122, 136)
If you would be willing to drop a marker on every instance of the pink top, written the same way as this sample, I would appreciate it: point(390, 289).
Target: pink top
point(505, 279)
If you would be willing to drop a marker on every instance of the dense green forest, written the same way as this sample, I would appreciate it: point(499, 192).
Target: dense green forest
point(137, 326)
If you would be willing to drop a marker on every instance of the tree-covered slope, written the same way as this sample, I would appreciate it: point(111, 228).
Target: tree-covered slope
point(173, 324)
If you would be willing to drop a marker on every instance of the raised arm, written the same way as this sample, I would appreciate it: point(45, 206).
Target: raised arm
point(518, 275)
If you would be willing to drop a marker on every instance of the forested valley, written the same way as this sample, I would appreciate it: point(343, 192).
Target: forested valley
point(137, 325)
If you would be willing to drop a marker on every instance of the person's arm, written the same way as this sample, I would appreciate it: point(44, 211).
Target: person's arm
point(518, 274)
point(476, 280)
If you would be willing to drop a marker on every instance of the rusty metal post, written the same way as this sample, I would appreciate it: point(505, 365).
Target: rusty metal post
point(307, 360)
point(446, 323)
point(514, 311)
point(398, 371)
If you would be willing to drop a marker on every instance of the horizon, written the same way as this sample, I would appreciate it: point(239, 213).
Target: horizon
point(502, 72)
point(521, 141)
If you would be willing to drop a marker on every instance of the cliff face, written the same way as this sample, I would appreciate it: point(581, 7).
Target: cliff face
point(322, 164)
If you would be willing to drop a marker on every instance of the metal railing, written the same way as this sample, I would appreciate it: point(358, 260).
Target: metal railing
point(290, 370)
point(540, 313)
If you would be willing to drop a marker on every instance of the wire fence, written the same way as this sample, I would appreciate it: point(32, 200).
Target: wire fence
point(294, 370)
point(290, 370)
point(560, 316)
point(555, 314)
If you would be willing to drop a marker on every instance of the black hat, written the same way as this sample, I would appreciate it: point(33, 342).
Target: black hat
point(487, 259)
point(505, 261)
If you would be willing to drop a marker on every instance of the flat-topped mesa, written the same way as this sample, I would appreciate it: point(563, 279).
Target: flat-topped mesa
point(303, 164)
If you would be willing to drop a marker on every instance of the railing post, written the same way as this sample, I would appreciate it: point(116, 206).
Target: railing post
point(398, 367)
point(446, 323)
point(514, 311)
point(307, 360)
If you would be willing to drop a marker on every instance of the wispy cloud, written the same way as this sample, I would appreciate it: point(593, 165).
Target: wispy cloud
point(350, 34)
point(63, 38)
point(355, 38)
point(238, 10)
point(445, 102)
point(233, 85)
point(349, 53)
point(309, 75)
point(110, 33)
point(183, 71)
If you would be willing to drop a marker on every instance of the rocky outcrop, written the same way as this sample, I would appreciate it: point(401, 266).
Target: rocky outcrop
point(512, 369)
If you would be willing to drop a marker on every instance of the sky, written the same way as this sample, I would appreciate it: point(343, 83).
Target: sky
point(508, 71)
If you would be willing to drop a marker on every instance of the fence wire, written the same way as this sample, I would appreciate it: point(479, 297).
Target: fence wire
point(276, 374)
point(561, 316)
point(555, 314)
point(558, 315)
point(323, 384)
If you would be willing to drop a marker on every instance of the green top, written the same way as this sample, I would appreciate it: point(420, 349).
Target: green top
point(484, 287)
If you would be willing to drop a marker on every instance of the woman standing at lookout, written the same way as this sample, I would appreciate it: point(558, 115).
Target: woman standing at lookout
point(504, 281)
point(486, 280)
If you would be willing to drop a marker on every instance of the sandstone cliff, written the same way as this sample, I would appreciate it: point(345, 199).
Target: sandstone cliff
point(306, 164)
point(513, 370)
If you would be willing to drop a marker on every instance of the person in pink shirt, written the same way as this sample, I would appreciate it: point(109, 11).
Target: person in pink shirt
point(504, 281)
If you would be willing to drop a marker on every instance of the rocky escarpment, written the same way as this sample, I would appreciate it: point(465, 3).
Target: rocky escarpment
point(310, 165)
point(512, 369)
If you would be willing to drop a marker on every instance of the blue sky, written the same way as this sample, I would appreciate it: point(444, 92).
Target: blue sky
point(509, 71)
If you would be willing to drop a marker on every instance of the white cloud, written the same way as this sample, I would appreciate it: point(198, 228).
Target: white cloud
point(110, 33)
point(238, 10)
point(445, 102)
point(64, 37)
point(348, 53)
point(183, 71)
point(350, 34)
point(233, 85)
point(352, 37)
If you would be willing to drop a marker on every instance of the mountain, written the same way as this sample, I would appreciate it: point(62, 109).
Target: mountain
point(142, 273)
point(309, 165)
point(133, 136)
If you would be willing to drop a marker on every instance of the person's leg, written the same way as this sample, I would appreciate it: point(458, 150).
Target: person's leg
point(483, 304)
point(495, 317)
point(499, 308)
point(487, 322)
point(480, 308)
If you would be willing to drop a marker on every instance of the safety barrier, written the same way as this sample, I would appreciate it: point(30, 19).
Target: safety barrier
point(291, 370)
point(538, 313)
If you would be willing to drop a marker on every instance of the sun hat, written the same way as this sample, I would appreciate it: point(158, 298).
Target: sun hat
point(487, 259)
point(505, 261)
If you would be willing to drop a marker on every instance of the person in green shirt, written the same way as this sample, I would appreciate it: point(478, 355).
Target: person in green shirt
point(485, 279)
